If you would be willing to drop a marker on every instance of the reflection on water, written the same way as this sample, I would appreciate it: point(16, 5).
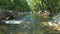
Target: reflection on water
point(26, 26)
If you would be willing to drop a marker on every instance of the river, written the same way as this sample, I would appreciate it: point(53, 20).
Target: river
point(26, 25)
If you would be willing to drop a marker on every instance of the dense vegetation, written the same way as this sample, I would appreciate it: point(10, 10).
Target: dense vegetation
point(16, 6)
point(27, 5)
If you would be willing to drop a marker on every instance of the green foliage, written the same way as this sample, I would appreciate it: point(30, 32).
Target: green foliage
point(23, 5)
point(17, 5)
point(36, 5)
point(52, 5)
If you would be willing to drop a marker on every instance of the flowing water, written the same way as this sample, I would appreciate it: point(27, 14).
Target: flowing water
point(27, 26)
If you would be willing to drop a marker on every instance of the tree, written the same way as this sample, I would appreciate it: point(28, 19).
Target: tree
point(16, 5)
